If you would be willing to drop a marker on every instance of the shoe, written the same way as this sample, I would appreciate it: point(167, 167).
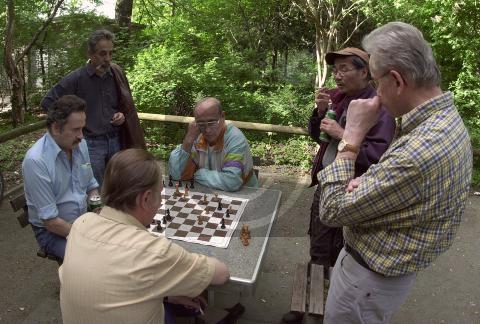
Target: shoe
point(292, 317)
point(234, 313)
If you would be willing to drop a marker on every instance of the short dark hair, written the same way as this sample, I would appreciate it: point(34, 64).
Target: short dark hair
point(360, 64)
point(129, 173)
point(62, 108)
point(97, 36)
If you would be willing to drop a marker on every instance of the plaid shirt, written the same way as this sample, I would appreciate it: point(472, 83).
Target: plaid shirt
point(408, 207)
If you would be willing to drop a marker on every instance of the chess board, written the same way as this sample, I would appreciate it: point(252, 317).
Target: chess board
point(185, 211)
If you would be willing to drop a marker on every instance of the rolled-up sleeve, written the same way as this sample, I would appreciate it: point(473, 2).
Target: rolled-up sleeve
point(38, 189)
point(177, 161)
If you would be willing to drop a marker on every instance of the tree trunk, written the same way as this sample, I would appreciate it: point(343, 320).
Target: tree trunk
point(16, 81)
point(123, 12)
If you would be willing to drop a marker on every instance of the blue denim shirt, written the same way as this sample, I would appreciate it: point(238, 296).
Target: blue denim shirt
point(53, 188)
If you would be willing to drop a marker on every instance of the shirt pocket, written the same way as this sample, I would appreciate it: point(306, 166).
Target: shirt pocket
point(85, 175)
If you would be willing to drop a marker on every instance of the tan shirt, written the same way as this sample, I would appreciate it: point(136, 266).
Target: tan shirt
point(115, 271)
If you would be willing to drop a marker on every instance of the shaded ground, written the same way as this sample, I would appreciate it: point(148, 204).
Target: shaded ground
point(447, 292)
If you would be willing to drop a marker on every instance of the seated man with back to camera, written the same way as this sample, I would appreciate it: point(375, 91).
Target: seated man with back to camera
point(115, 271)
point(215, 154)
point(58, 176)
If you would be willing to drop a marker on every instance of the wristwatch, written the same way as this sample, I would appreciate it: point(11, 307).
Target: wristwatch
point(343, 146)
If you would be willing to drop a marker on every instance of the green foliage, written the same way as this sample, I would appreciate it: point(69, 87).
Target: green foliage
point(297, 151)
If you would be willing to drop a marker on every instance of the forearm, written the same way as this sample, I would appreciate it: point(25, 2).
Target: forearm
point(58, 226)
point(226, 180)
point(221, 274)
point(177, 161)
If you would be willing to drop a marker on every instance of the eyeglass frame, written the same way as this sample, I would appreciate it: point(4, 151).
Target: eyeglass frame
point(376, 82)
point(341, 72)
point(207, 124)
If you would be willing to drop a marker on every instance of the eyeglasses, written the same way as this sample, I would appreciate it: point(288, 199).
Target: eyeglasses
point(376, 81)
point(209, 124)
point(341, 71)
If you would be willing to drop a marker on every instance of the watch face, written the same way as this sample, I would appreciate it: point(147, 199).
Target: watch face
point(341, 145)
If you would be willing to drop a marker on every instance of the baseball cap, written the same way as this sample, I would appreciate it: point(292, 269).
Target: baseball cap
point(348, 51)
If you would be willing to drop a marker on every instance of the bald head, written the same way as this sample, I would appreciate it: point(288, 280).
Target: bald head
point(208, 105)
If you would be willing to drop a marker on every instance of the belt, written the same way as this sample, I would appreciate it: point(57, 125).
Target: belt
point(357, 257)
point(103, 136)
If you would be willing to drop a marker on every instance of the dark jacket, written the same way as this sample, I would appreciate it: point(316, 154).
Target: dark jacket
point(131, 134)
point(375, 143)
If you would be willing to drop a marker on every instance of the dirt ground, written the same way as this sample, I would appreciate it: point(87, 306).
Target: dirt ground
point(446, 292)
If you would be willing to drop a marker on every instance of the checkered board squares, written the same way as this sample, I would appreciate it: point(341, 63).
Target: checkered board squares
point(184, 211)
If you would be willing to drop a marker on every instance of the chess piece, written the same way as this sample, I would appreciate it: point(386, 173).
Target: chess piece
point(219, 206)
point(227, 213)
point(170, 182)
point(204, 199)
point(164, 220)
point(159, 228)
point(207, 211)
point(191, 183)
point(163, 183)
point(186, 191)
point(216, 196)
point(200, 220)
point(169, 218)
point(180, 182)
point(245, 235)
point(223, 223)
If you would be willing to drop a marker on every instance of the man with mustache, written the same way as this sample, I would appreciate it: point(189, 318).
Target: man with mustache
point(112, 122)
point(57, 175)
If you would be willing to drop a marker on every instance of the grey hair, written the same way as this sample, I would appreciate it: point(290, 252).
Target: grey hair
point(400, 46)
point(97, 36)
point(214, 101)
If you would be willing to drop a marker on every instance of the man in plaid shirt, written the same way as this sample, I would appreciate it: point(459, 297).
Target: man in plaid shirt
point(404, 211)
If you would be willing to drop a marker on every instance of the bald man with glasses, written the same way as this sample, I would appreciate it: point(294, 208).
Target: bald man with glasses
point(213, 153)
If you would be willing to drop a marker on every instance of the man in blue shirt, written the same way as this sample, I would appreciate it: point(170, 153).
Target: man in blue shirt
point(58, 176)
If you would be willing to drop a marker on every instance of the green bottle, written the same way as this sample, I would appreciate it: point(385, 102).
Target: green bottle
point(331, 114)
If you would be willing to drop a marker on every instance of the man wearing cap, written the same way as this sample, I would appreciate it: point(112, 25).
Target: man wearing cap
point(351, 74)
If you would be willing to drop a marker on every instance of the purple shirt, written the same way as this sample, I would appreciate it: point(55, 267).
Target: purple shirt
point(373, 146)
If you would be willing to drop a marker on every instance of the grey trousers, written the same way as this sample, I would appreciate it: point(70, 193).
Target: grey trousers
point(358, 295)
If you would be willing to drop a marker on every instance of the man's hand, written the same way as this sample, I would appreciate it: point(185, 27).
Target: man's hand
point(332, 128)
point(192, 303)
point(362, 115)
point(321, 101)
point(353, 184)
point(117, 119)
point(192, 134)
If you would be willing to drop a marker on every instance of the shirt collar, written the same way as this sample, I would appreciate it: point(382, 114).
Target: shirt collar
point(423, 111)
point(91, 71)
point(52, 146)
point(118, 216)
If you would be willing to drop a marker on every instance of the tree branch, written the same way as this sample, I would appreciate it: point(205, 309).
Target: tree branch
point(45, 25)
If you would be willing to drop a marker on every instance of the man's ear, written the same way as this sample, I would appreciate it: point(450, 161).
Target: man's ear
point(399, 82)
point(223, 114)
point(56, 129)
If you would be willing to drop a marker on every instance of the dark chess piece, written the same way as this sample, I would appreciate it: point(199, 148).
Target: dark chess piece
point(223, 224)
point(191, 183)
point(227, 213)
point(159, 228)
point(170, 182)
point(219, 205)
point(169, 218)
point(163, 183)
point(164, 220)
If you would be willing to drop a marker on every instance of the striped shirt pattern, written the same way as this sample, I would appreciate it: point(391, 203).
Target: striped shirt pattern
point(409, 206)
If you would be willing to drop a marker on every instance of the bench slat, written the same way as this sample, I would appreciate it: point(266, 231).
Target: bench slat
point(23, 219)
point(315, 304)
point(299, 289)
point(18, 202)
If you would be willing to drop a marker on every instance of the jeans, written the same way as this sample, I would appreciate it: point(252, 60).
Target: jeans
point(325, 242)
point(101, 149)
point(49, 242)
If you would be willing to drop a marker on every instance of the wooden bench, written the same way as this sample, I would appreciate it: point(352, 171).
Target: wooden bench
point(308, 289)
point(18, 202)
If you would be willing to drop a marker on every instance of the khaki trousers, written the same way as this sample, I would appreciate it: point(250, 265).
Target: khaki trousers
point(358, 295)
